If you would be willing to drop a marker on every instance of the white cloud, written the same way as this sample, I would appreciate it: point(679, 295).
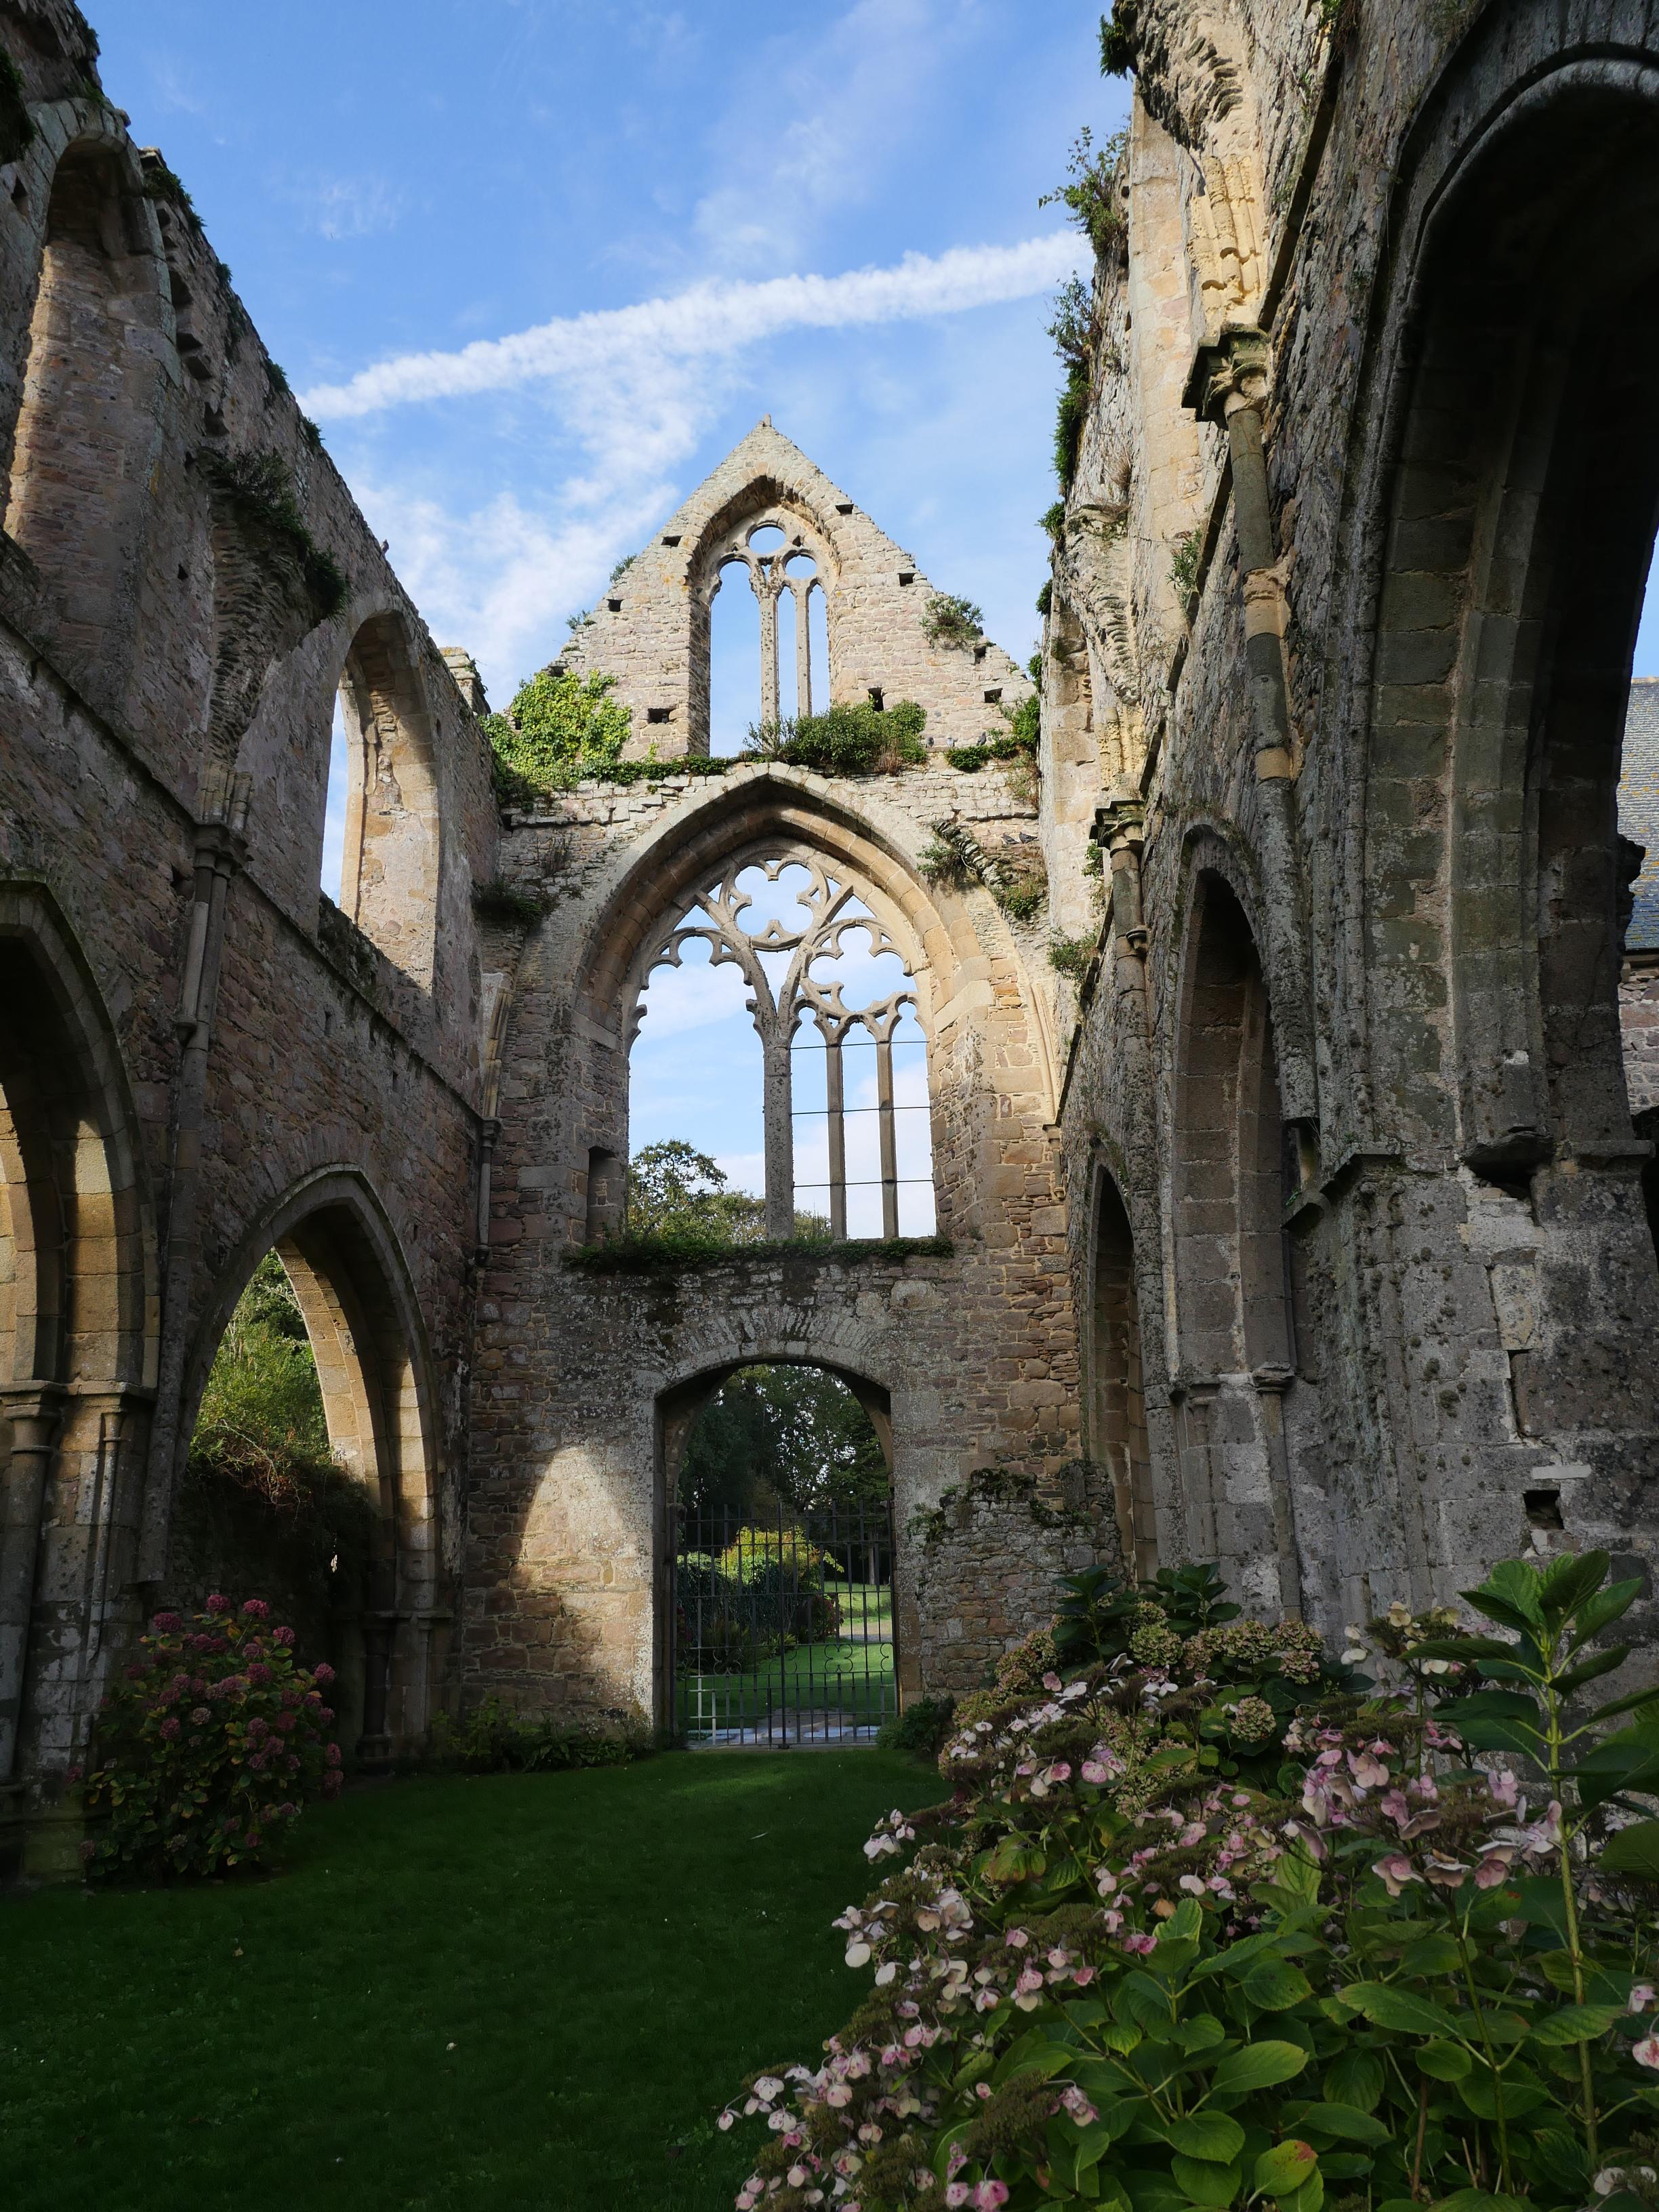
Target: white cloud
point(636, 390)
point(694, 996)
point(743, 1171)
point(497, 581)
point(631, 345)
point(348, 207)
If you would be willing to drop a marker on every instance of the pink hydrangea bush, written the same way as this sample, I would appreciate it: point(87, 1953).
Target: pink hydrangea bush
point(210, 1741)
point(1158, 1953)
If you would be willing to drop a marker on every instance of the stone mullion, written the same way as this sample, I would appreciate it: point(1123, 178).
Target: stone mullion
point(837, 1132)
point(803, 651)
point(778, 1106)
point(767, 594)
point(889, 1142)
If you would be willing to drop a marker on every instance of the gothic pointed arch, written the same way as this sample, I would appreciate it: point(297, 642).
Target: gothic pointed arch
point(374, 1370)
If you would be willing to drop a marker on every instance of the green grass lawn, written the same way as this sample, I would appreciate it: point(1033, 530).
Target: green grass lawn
point(514, 1990)
point(854, 1679)
point(851, 1673)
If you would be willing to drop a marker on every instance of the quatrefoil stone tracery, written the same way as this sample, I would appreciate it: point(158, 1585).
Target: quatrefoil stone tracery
point(835, 914)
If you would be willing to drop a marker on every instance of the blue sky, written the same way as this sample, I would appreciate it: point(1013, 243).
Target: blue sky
point(617, 203)
point(397, 178)
point(653, 225)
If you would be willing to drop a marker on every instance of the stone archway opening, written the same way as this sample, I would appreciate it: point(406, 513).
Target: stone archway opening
point(77, 1343)
point(383, 781)
point(786, 944)
point(309, 1481)
point(778, 1612)
point(84, 442)
point(1239, 1400)
point(1515, 541)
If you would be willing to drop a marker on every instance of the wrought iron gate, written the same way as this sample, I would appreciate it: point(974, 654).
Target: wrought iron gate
point(783, 1627)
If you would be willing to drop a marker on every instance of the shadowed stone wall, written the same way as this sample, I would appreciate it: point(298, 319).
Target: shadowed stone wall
point(1345, 600)
point(200, 1056)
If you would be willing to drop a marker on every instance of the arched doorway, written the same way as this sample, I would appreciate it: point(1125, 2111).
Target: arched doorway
point(777, 1613)
point(371, 1595)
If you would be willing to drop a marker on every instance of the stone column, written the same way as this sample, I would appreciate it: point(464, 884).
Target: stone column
point(33, 1410)
point(779, 1111)
point(803, 650)
point(889, 1147)
point(766, 593)
point(1228, 386)
point(221, 850)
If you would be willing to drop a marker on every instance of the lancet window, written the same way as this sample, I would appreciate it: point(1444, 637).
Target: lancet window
point(785, 573)
point(845, 1119)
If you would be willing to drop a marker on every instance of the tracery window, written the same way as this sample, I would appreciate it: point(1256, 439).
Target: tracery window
point(845, 1115)
point(786, 576)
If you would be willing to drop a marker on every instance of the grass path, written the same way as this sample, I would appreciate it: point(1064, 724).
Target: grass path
point(608, 1953)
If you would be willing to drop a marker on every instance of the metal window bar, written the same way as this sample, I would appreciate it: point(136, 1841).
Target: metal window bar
point(836, 1115)
point(783, 1627)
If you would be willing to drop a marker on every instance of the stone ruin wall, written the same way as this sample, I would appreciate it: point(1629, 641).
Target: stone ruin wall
point(1282, 956)
point(1468, 1320)
point(650, 630)
point(974, 1352)
point(243, 1059)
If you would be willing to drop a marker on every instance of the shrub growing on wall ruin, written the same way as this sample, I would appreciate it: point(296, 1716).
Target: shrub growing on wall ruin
point(951, 620)
point(847, 739)
point(559, 729)
point(1208, 1922)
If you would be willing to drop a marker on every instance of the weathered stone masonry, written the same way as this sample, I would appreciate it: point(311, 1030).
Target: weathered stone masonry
point(1346, 1100)
point(199, 1058)
point(1310, 1232)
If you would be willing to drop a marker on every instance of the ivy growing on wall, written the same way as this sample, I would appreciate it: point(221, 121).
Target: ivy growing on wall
point(559, 729)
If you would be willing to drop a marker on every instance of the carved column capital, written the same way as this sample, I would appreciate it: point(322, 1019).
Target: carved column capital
point(1120, 825)
point(36, 1405)
point(1230, 374)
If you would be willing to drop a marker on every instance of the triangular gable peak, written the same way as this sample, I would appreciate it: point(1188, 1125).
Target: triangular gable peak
point(650, 630)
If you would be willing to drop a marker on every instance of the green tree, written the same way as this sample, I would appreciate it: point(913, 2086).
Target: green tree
point(675, 1190)
point(261, 1420)
point(790, 1436)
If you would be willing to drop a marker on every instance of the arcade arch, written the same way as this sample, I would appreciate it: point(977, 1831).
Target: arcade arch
point(1516, 513)
point(391, 834)
point(77, 1323)
point(379, 1609)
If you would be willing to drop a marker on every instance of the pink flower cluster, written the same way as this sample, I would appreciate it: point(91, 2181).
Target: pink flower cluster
point(1357, 1789)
